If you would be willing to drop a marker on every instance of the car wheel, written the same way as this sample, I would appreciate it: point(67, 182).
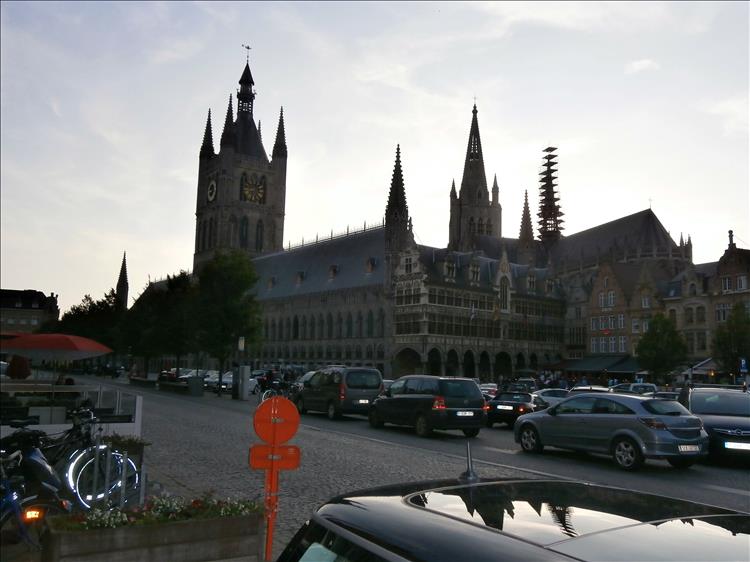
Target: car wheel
point(471, 432)
point(681, 463)
point(331, 411)
point(422, 426)
point(626, 454)
point(300, 406)
point(374, 419)
point(530, 441)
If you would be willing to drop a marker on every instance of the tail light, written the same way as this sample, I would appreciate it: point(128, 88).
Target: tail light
point(342, 391)
point(33, 514)
point(438, 403)
point(486, 407)
point(521, 409)
point(653, 423)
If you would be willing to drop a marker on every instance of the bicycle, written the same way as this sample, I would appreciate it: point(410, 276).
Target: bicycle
point(278, 388)
point(92, 472)
point(23, 519)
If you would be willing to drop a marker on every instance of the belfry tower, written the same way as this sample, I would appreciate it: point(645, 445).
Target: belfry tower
point(241, 196)
point(472, 212)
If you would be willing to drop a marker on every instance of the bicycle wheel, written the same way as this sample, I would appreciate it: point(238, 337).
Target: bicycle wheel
point(93, 481)
point(28, 522)
point(270, 393)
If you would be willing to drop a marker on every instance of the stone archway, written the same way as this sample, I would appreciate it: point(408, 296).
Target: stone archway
point(451, 364)
point(484, 367)
point(520, 362)
point(503, 366)
point(470, 370)
point(434, 362)
point(406, 362)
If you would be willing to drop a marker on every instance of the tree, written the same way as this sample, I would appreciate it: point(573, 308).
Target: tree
point(177, 318)
point(661, 348)
point(732, 339)
point(139, 329)
point(226, 307)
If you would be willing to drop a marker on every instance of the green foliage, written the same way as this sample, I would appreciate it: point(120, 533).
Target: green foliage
point(157, 510)
point(661, 348)
point(226, 307)
point(732, 339)
point(97, 320)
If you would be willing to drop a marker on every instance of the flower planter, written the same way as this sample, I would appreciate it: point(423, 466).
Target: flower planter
point(192, 540)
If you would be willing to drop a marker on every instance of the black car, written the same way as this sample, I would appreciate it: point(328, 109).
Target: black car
point(338, 390)
point(517, 520)
point(725, 413)
point(426, 402)
point(505, 407)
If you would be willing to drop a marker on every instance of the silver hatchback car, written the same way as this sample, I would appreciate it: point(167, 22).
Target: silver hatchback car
point(630, 428)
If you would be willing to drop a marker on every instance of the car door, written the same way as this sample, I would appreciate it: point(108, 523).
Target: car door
point(607, 416)
point(408, 403)
point(566, 428)
point(386, 405)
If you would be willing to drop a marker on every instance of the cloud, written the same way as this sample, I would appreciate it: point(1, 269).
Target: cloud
point(733, 114)
point(636, 66)
point(176, 49)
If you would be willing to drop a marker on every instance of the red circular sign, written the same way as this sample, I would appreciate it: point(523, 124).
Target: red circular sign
point(276, 420)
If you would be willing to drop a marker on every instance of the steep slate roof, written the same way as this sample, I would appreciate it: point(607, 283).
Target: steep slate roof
point(349, 253)
point(493, 247)
point(640, 230)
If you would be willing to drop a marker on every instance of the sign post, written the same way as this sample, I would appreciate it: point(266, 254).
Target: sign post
point(276, 421)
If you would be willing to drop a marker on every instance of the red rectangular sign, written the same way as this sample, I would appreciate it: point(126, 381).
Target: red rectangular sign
point(284, 457)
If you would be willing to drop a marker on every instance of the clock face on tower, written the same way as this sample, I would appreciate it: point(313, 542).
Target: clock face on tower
point(254, 189)
point(211, 192)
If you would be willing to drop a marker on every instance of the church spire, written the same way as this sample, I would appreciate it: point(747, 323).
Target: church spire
point(121, 291)
point(527, 232)
point(495, 190)
point(397, 221)
point(228, 136)
point(453, 190)
point(279, 147)
point(550, 215)
point(474, 178)
point(246, 95)
point(207, 148)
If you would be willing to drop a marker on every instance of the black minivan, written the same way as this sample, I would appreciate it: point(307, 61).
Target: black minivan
point(427, 402)
point(338, 390)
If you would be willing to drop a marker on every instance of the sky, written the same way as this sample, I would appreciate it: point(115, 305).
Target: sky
point(103, 108)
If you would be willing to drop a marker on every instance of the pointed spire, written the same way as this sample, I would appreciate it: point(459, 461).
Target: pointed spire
point(247, 77)
point(474, 177)
point(207, 148)
point(453, 190)
point(279, 147)
point(396, 207)
point(495, 190)
point(245, 95)
point(227, 136)
point(527, 233)
point(121, 291)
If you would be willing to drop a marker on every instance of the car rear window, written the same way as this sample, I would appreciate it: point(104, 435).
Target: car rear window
point(363, 379)
point(460, 389)
point(665, 408)
point(721, 403)
point(513, 397)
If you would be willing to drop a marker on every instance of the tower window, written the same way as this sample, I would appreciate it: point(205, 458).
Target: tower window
point(408, 266)
point(480, 227)
point(475, 272)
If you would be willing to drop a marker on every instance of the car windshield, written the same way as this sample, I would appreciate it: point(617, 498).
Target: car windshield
point(363, 379)
point(665, 408)
point(460, 389)
point(721, 403)
point(514, 397)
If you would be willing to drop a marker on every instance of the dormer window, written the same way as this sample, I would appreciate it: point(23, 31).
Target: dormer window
point(450, 269)
point(333, 270)
point(550, 286)
point(531, 283)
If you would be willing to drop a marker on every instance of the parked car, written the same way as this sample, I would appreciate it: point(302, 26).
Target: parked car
point(488, 388)
point(552, 396)
point(630, 428)
point(587, 388)
point(427, 402)
point(299, 384)
point(725, 413)
point(510, 520)
point(529, 382)
point(211, 380)
point(505, 407)
point(666, 395)
point(634, 388)
point(340, 390)
point(387, 383)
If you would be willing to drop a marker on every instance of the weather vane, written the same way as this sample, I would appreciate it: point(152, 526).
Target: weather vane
point(247, 48)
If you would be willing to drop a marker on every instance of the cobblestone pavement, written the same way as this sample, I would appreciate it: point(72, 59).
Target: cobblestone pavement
point(196, 449)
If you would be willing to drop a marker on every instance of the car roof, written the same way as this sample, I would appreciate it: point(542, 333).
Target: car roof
point(534, 519)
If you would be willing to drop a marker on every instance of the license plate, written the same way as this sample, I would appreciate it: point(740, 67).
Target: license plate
point(465, 414)
point(735, 445)
point(504, 407)
point(689, 448)
point(363, 401)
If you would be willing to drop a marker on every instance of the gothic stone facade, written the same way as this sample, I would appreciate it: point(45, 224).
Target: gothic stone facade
point(484, 306)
